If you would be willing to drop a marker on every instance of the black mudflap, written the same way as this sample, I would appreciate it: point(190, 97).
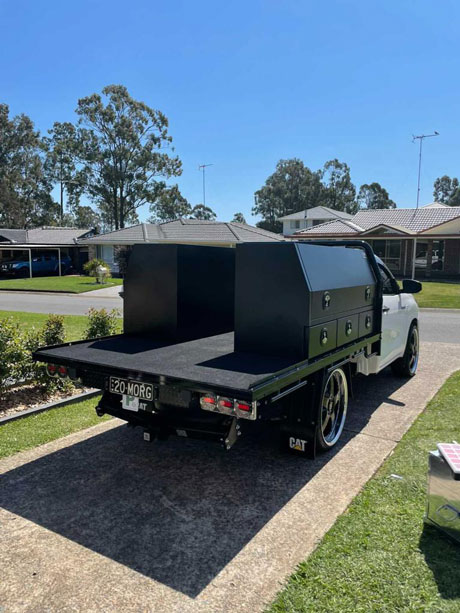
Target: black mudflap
point(299, 431)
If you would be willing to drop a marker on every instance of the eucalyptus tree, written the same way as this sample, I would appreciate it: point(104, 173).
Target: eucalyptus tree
point(25, 191)
point(374, 196)
point(124, 153)
point(170, 204)
point(291, 188)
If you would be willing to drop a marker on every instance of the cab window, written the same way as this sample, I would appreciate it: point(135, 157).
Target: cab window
point(390, 285)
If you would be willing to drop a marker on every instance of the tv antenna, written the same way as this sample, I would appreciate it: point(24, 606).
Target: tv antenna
point(203, 167)
point(420, 138)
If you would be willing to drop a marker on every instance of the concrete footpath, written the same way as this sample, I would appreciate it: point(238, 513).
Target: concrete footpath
point(102, 521)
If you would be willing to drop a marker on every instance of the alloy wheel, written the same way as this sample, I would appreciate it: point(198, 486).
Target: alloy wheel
point(334, 404)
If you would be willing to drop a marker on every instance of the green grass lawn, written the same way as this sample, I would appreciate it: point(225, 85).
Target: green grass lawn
point(379, 557)
point(38, 429)
point(75, 325)
point(72, 284)
point(439, 295)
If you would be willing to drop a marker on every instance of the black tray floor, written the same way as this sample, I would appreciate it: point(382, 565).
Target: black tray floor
point(210, 360)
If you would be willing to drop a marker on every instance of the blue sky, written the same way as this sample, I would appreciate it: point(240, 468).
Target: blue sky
point(247, 83)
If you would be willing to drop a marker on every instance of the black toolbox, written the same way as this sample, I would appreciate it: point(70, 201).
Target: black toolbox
point(302, 299)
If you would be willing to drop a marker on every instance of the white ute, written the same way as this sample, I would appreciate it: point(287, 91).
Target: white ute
point(400, 335)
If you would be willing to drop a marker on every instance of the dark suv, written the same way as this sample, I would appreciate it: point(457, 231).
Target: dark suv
point(44, 264)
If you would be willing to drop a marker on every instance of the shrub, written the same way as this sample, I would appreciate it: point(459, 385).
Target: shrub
point(53, 332)
point(101, 323)
point(91, 266)
point(12, 351)
point(16, 348)
point(122, 255)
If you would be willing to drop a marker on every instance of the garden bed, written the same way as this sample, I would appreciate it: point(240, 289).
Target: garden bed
point(24, 383)
point(23, 397)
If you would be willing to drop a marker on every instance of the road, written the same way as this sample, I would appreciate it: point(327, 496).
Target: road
point(63, 304)
point(436, 326)
point(440, 326)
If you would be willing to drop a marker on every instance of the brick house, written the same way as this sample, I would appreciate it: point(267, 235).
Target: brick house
point(424, 242)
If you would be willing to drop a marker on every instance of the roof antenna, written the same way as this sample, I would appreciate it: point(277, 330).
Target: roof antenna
point(203, 168)
point(420, 138)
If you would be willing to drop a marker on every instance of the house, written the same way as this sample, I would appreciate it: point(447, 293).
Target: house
point(47, 240)
point(310, 217)
point(422, 242)
point(184, 231)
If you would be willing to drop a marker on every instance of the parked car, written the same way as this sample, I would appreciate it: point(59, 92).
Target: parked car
point(44, 264)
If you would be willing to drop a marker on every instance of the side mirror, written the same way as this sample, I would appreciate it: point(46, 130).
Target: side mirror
point(410, 286)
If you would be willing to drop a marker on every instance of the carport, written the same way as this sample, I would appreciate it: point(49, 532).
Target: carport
point(49, 240)
point(28, 249)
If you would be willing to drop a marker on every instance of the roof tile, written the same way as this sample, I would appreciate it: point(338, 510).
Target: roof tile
point(188, 230)
point(411, 220)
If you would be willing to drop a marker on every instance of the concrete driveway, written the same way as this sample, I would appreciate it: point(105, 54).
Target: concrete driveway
point(102, 521)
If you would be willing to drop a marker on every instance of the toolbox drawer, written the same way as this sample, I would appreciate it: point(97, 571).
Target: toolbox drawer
point(334, 302)
point(322, 338)
point(347, 329)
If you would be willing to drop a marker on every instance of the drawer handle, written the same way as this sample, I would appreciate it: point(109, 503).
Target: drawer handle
point(368, 293)
point(348, 328)
point(326, 300)
point(323, 336)
point(368, 321)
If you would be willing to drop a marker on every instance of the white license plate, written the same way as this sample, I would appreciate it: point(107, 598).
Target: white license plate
point(130, 403)
point(126, 387)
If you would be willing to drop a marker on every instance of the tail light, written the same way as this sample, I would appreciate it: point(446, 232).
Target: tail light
point(229, 406)
point(62, 371)
point(51, 369)
point(246, 410)
point(208, 402)
point(225, 405)
point(243, 406)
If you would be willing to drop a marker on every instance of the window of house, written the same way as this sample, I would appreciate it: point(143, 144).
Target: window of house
point(393, 255)
point(422, 254)
point(295, 224)
point(389, 251)
point(105, 252)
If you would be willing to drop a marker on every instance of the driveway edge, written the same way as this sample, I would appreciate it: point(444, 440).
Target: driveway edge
point(51, 405)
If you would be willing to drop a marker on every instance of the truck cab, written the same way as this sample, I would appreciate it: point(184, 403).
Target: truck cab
point(399, 327)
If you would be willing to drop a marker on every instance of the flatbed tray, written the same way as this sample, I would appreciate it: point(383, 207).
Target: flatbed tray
point(209, 361)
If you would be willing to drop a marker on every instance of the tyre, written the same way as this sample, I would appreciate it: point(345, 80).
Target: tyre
point(407, 365)
point(333, 407)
